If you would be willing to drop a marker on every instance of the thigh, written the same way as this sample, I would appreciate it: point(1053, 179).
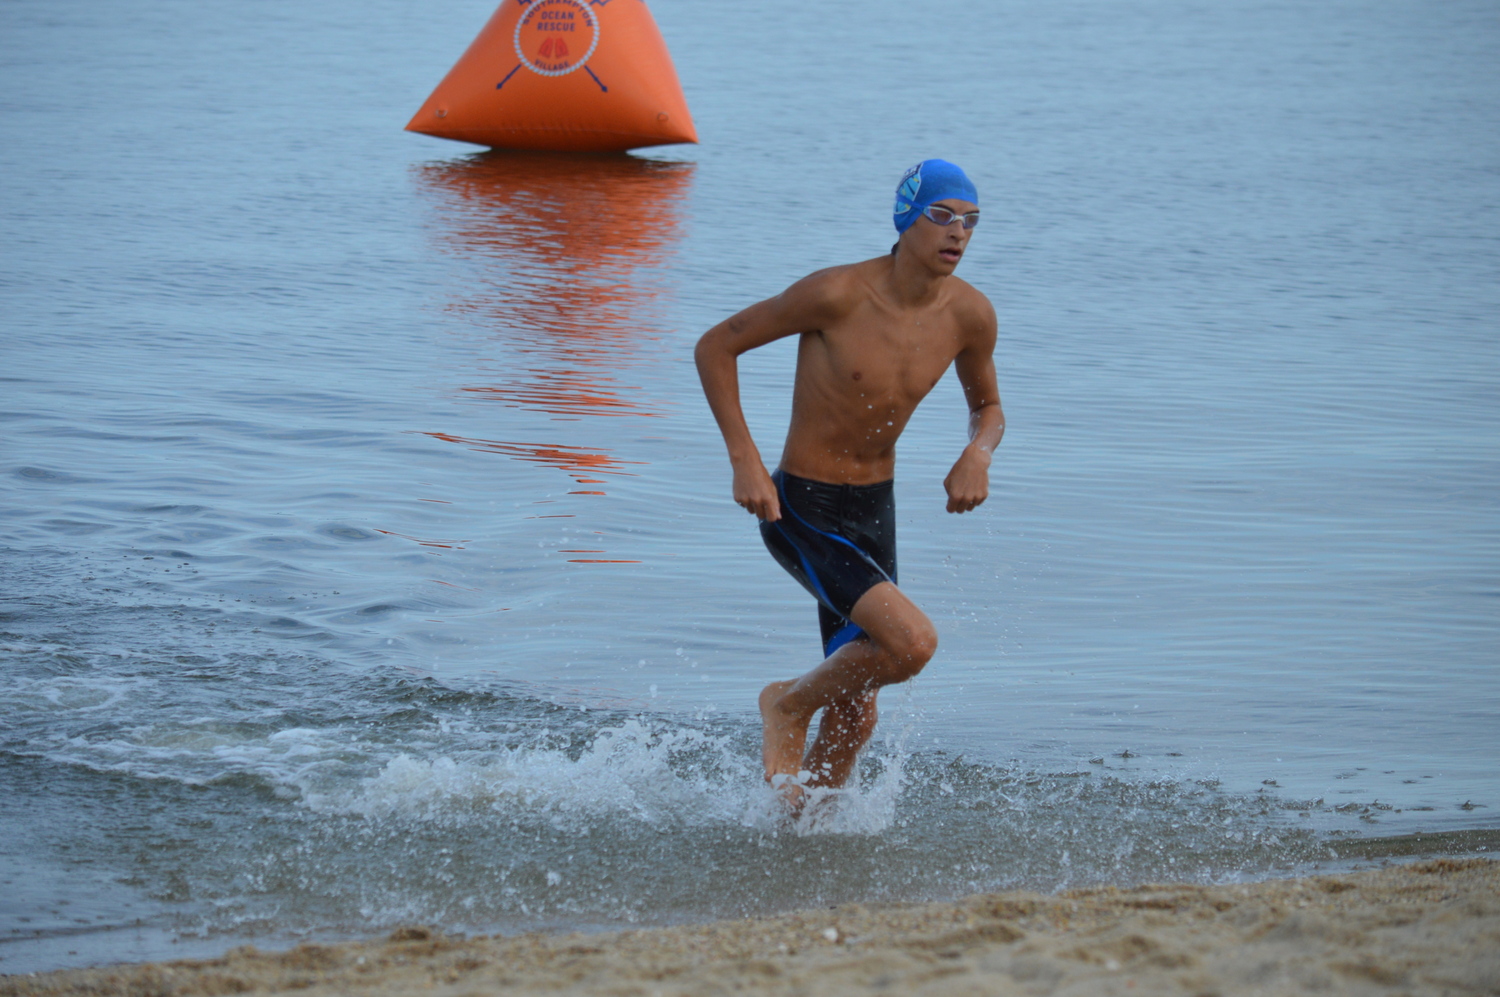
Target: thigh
point(806, 542)
point(874, 526)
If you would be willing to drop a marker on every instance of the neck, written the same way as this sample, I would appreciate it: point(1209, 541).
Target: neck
point(912, 282)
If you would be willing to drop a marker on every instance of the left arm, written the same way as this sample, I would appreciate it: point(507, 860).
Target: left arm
point(968, 484)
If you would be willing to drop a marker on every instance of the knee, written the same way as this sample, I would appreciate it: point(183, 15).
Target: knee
point(924, 645)
point(914, 650)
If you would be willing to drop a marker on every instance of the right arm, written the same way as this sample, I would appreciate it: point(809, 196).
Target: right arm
point(806, 306)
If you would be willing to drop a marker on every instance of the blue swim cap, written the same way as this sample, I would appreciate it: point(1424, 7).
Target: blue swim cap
point(929, 181)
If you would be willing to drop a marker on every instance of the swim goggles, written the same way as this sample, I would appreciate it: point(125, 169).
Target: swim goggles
point(940, 215)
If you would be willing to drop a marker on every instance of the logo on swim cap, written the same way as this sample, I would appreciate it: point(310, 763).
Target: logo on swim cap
point(556, 37)
point(906, 191)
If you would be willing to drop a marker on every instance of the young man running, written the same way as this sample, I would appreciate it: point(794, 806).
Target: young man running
point(875, 338)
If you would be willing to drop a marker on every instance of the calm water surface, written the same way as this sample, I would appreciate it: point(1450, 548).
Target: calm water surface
point(368, 553)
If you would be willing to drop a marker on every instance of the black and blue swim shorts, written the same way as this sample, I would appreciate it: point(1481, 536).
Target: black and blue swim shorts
point(838, 541)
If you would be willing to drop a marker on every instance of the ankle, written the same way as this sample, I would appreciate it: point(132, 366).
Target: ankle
point(773, 699)
point(783, 706)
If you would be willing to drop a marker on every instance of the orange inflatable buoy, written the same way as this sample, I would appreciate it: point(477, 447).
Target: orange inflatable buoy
point(563, 75)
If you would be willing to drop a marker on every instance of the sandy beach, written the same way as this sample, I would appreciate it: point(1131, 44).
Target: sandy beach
point(1431, 927)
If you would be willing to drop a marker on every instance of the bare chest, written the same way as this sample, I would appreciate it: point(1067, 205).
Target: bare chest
point(891, 364)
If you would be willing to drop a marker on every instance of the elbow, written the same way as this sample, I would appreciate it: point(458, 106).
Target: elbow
point(712, 352)
point(708, 344)
point(703, 351)
point(988, 412)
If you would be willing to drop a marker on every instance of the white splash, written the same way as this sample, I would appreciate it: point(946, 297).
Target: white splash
point(667, 778)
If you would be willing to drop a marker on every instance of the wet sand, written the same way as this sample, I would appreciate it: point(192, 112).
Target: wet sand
point(1431, 927)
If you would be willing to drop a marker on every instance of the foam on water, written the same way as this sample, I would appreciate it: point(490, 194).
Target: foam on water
point(644, 773)
point(658, 777)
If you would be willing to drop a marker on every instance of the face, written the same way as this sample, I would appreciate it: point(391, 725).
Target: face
point(940, 246)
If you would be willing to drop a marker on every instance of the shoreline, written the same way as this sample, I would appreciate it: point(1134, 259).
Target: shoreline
point(1431, 926)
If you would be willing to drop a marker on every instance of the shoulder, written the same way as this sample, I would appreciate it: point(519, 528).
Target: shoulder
point(975, 313)
point(819, 300)
point(829, 293)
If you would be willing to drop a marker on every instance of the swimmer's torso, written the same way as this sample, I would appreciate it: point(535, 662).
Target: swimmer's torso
point(860, 378)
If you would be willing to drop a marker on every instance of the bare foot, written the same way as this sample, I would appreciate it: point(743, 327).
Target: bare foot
point(790, 793)
point(783, 739)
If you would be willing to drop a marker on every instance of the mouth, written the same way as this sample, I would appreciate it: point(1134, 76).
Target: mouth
point(950, 255)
